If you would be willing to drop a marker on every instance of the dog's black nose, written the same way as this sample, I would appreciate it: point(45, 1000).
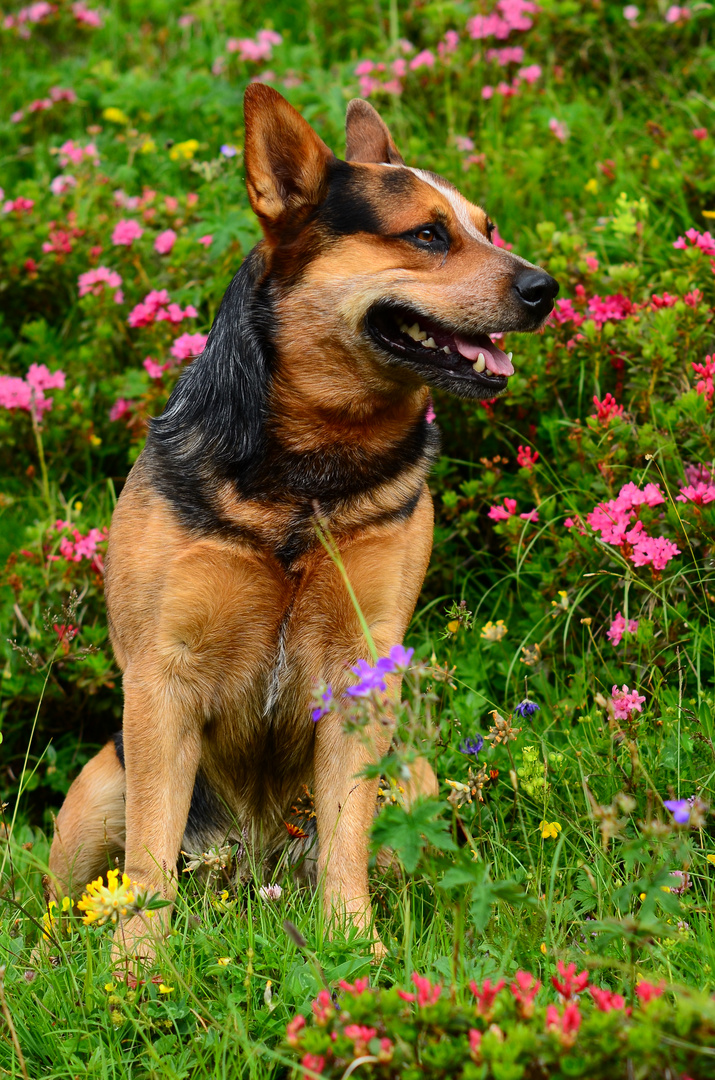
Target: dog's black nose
point(537, 290)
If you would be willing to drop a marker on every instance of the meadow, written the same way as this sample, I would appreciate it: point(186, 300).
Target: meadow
point(562, 680)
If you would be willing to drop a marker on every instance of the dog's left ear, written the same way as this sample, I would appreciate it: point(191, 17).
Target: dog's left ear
point(367, 136)
point(286, 162)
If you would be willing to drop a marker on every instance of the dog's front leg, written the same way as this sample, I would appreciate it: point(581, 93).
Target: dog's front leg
point(345, 808)
point(162, 747)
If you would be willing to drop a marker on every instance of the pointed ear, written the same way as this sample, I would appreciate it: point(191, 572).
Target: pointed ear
point(286, 162)
point(367, 136)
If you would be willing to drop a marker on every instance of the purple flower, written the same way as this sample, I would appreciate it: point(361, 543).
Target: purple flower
point(228, 150)
point(472, 746)
point(680, 809)
point(526, 708)
point(373, 678)
point(324, 702)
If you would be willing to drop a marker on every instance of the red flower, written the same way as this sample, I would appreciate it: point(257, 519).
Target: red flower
point(323, 1008)
point(358, 987)
point(606, 1000)
point(312, 1063)
point(647, 991)
point(572, 983)
point(475, 1042)
point(527, 457)
point(486, 995)
point(426, 993)
point(525, 988)
point(294, 1026)
point(565, 1026)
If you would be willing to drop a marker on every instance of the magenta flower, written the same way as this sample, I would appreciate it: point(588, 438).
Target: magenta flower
point(425, 58)
point(119, 409)
point(526, 457)
point(126, 232)
point(625, 702)
point(503, 513)
point(606, 410)
point(699, 133)
point(29, 393)
point(154, 370)
point(94, 281)
point(606, 1000)
point(559, 129)
point(188, 346)
point(699, 493)
point(86, 15)
point(680, 809)
point(323, 697)
point(619, 627)
point(530, 74)
point(165, 241)
point(207, 240)
point(631, 12)
point(62, 183)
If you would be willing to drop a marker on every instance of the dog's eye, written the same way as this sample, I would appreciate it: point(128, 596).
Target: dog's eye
point(431, 236)
point(426, 235)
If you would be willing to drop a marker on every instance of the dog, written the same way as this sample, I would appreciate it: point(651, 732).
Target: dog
point(373, 282)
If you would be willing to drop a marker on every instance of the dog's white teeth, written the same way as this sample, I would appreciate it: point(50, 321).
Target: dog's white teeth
point(415, 333)
point(430, 343)
point(446, 348)
point(510, 354)
point(480, 363)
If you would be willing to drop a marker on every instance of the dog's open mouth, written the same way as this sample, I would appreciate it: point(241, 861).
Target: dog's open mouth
point(418, 340)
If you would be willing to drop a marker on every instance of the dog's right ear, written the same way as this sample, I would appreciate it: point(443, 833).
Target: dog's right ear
point(286, 162)
point(367, 136)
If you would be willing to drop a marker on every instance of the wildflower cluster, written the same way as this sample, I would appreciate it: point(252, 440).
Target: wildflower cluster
point(426, 1032)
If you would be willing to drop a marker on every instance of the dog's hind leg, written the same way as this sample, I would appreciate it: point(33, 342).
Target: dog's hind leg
point(89, 830)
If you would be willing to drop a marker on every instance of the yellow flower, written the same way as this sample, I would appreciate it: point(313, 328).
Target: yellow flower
point(549, 829)
point(543, 947)
point(95, 440)
point(453, 626)
point(102, 903)
point(185, 150)
point(563, 602)
point(592, 185)
point(109, 987)
point(642, 896)
point(78, 507)
point(164, 989)
point(494, 631)
point(224, 960)
point(708, 214)
point(711, 859)
point(49, 919)
point(148, 146)
point(115, 115)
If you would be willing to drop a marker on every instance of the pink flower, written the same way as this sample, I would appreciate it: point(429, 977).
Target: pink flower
point(559, 129)
point(619, 627)
point(427, 994)
point(487, 92)
point(360, 1036)
point(626, 702)
point(358, 987)
point(700, 494)
point(677, 14)
point(531, 516)
point(61, 184)
point(509, 55)
point(17, 116)
point(530, 74)
point(564, 312)
point(406, 995)
point(647, 991)
point(207, 240)
point(591, 263)
point(29, 393)
point(463, 143)
point(293, 1028)
point(606, 410)
point(655, 551)
point(700, 133)
point(692, 299)
point(631, 12)
point(93, 281)
point(20, 205)
point(503, 513)
point(188, 345)
point(61, 93)
point(606, 1000)
point(430, 415)
point(565, 1026)
point(119, 409)
point(707, 370)
point(609, 308)
point(570, 983)
point(323, 1009)
point(86, 15)
point(525, 988)
point(165, 241)
point(423, 59)
point(486, 994)
point(126, 232)
point(704, 241)
point(154, 370)
point(475, 1043)
point(527, 458)
point(364, 67)
point(41, 105)
point(312, 1063)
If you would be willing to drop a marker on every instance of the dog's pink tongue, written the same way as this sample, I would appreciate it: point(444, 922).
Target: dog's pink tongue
point(497, 361)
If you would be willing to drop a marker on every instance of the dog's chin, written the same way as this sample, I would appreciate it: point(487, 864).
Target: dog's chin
point(468, 365)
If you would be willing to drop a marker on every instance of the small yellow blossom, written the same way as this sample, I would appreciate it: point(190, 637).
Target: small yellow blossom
point(78, 507)
point(453, 626)
point(665, 888)
point(532, 655)
point(708, 213)
point(95, 440)
point(543, 947)
point(147, 146)
point(268, 996)
point(164, 989)
point(549, 829)
point(494, 631)
point(224, 960)
point(591, 185)
point(711, 859)
point(109, 987)
point(184, 150)
point(642, 896)
point(49, 919)
point(102, 903)
point(562, 603)
point(115, 115)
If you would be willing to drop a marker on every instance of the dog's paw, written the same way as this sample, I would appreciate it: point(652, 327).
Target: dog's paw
point(135, 944)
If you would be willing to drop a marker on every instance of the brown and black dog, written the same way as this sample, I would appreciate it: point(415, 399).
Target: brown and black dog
point(373, 281)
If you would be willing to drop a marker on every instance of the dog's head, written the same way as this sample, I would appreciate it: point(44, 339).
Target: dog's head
point(384, 273)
